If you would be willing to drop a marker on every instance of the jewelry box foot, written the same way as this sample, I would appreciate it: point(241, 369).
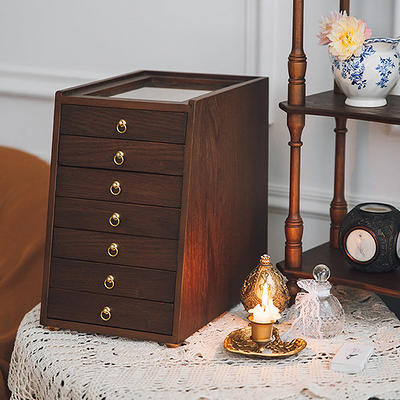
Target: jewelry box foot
point(173, 345)
point(52, 328)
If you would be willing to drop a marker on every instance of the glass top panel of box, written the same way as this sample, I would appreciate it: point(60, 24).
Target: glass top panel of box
point(161, 94)
point(155, 86)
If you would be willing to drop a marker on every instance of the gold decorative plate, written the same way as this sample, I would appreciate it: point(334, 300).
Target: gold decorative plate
point(240, 342)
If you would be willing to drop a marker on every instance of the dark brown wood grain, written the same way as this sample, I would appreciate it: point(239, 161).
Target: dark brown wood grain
point(296, 92)
point(338, 208)
point(294, 222)
point(345, 6)
point(297, 59)
point(156, 126)
point(332, 104)
point(125, 103)
point(227, 202)
point(132, 250)
point(140, 283)
point(50, 209)
point(153, 157)
point(208, 225)
point(160, 190)
point(144, 315)
point(139, 220)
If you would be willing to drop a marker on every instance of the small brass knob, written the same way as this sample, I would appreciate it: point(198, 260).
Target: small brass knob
point(115, 219)
point(105, 313)
point(109, 282)
point(121, 126)
point(119, 158)
point(115, 188)
point(112, 250)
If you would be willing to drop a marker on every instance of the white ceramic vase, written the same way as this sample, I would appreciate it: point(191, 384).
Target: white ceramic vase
point(367, 79)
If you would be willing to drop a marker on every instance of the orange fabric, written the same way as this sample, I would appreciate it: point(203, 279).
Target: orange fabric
point(24, 183)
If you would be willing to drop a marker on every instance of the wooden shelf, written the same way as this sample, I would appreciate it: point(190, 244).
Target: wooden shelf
point(332, 104)
point(328, 104)
point(387, 283)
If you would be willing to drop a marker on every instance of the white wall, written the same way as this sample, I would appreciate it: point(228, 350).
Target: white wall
point(47, 45)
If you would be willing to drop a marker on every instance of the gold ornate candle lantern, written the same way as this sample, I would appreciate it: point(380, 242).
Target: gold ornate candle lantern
point(253, 286)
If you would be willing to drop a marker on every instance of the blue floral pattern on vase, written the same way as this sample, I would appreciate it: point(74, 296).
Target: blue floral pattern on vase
point(367, 79)
point(354, 71)
point(384, 68)
point(336, 63)
point(353, 68)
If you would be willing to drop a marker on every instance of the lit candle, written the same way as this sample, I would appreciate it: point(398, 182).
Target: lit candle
point(265, 312)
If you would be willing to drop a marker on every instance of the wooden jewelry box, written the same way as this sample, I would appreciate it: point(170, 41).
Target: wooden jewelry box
point(157, 203)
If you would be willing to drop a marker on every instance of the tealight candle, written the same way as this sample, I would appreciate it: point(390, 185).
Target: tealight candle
point(267, 311)
point(264, 315)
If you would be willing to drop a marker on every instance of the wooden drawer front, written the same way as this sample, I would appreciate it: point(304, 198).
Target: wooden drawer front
point(140, 283)
point(142, 315)
point(132, 219)
point(152, 157)
point(158, 126)
point(161, 190)
point(132, 250)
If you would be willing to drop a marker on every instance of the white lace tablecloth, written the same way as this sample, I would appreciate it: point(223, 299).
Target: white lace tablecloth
point(70, 365)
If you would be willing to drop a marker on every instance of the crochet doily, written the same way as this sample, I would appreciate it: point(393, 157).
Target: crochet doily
point(70, 365)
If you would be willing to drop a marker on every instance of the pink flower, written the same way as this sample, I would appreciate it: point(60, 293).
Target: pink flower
point(326, 26)
point(368, 31)
point(347, 36)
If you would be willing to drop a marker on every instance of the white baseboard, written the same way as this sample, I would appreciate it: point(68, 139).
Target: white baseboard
point(312, 204)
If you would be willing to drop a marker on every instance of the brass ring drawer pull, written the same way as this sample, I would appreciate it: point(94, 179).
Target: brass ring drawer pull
point(112, 250)
point(119, 158)
point(105, 313)
point(109, 282)
point(115, 188)
point(115, 219)
point(121, 126)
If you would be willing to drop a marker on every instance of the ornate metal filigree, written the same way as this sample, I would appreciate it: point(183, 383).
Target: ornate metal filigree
point(240, 341)
point(252, 288)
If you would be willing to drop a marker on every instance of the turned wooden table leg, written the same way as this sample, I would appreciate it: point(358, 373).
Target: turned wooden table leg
point(294, 223)
point(338, 205)
point(296, 96)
